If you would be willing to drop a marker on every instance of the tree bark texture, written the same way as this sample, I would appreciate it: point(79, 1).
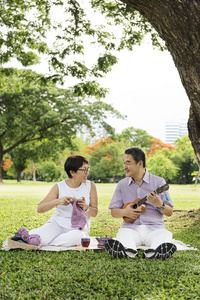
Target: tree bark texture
point(178, 24)
point(18, 176)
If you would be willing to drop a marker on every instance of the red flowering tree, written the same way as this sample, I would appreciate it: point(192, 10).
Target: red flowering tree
point(157, 144)
point(7, 164)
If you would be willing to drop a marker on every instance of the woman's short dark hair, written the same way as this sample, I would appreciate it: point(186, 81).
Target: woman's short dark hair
point(73, 163)
point(137, 154)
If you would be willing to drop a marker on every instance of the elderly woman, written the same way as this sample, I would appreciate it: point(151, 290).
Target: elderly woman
point(74, 200)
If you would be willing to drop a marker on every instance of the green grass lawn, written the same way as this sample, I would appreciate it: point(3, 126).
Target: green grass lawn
point(88, 275)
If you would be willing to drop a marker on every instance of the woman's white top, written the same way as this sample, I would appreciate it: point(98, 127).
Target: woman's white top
point(62, 213)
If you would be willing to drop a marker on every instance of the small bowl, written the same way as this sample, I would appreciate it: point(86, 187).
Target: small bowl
point(85, 242)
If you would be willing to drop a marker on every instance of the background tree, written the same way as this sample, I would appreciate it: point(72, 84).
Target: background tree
point(32, 111)
point(49, 171)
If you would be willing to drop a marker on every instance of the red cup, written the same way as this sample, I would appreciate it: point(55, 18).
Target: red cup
point(85, 242)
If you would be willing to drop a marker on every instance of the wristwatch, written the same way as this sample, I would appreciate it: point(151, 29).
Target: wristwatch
point(162, 207)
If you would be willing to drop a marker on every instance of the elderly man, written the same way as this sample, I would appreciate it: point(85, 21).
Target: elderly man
point(143, 224)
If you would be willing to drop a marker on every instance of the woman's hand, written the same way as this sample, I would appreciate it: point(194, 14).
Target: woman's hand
point(81, 203)
point(65, 200)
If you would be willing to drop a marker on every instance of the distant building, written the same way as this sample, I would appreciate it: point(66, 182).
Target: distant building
point(175, 130)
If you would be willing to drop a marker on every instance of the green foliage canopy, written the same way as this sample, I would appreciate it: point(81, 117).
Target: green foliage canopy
point(65, 31)
point(22, 34)
point(49, 171)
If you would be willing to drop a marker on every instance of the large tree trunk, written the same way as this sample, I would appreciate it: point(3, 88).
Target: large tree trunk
point(178, 24)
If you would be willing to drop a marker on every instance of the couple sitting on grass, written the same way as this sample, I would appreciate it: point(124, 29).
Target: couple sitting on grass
point(75, 201)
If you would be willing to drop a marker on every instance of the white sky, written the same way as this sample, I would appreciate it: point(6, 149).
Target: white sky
point(145, 85)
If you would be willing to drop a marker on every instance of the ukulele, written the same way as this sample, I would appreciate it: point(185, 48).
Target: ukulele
point(140, 202)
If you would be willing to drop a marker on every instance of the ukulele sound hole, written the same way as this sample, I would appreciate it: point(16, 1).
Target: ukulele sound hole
point(135, 206)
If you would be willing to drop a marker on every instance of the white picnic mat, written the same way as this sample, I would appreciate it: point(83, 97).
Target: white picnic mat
point(93, 246)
